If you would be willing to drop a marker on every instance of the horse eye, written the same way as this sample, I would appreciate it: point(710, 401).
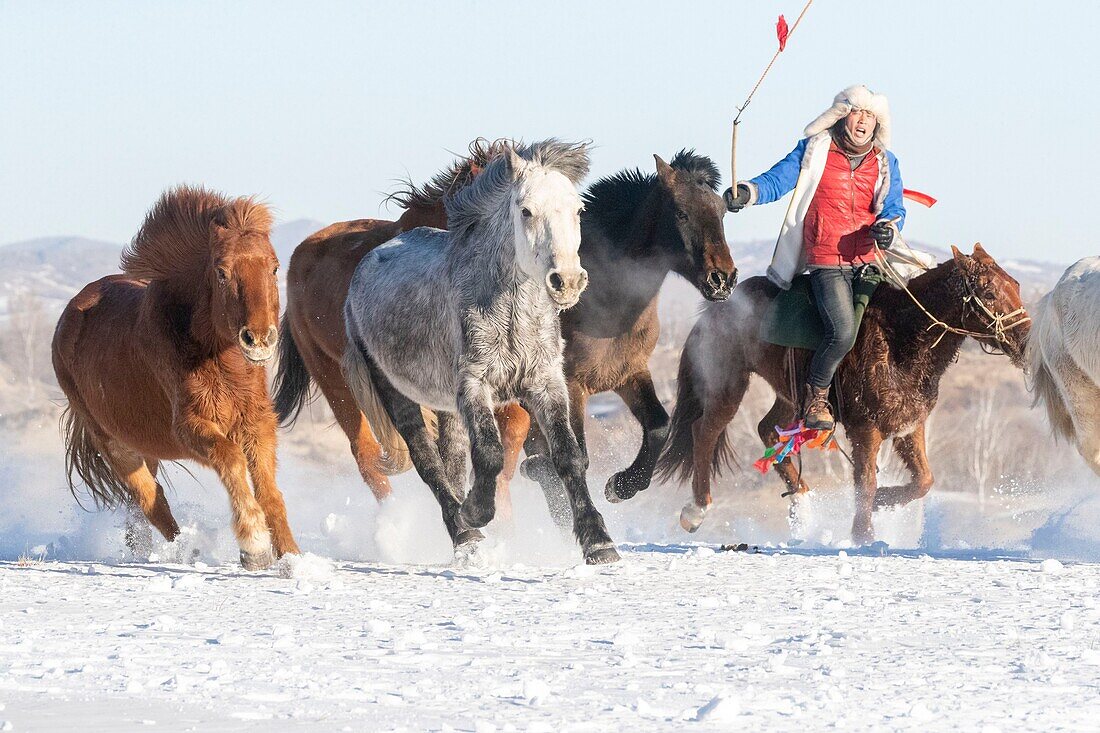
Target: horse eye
point(223, 276)
point(526, 212)
point(681, 215)
point(275, 271)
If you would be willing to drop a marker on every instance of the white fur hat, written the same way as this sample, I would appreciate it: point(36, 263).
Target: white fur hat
point(855, 97)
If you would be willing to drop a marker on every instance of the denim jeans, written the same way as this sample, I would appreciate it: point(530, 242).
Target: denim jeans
point(833, 292)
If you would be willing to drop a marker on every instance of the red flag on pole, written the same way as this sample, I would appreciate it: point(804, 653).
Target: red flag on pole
point(781, 32)
point(920, 198)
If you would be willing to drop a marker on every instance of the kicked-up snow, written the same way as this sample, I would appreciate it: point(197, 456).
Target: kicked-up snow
point(678, 637)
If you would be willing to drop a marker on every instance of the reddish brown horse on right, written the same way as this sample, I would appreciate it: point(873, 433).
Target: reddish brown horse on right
point(313, 337)
point(888, 384)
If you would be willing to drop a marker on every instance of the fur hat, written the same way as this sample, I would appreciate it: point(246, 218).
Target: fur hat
point(855, 97)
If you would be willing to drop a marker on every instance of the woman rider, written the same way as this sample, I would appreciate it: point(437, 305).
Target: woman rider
point(847, 200)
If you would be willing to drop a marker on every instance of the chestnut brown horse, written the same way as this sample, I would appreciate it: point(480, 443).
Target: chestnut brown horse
point(313, 337)
point(166, 362)
point(887, 385)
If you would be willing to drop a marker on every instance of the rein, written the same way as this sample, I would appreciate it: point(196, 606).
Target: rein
point(999, 323)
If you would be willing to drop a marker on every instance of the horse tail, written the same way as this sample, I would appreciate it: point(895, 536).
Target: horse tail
point(292, 383)
point(1043, 384)
point(84, 458)
point(395, 453)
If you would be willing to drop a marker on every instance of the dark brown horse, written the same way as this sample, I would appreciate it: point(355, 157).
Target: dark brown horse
point(635, 229)
point(166, 362)
point(887, 384)
point(313, 337)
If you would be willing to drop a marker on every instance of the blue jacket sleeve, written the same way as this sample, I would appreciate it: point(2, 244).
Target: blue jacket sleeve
point(780, 179)
point(894, 205)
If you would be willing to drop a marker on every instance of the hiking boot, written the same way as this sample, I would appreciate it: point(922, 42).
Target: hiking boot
point(815, 409)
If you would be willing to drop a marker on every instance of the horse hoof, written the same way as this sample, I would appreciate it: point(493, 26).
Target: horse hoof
point(691, 517)
point(601, 555)
point(525, 468)
point(257, 560)
point(468, 537)
point(613, 493)
point(476, 515)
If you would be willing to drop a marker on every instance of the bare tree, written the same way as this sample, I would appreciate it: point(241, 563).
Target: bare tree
point(987, 430)
point(25, 334)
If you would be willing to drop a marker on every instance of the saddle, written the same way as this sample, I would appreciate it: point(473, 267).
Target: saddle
point(792, 320)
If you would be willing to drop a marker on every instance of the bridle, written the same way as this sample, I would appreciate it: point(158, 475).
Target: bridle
point(997, 325)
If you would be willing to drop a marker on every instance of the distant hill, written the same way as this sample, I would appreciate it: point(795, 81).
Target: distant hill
point(55, 268)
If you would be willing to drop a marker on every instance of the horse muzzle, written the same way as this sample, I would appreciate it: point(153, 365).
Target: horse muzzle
point(718, 285)
point(565, 288)
point(258, 349)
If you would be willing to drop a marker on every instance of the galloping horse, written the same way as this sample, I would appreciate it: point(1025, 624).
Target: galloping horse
point(312, 337)
point(887, 385)
point(635, 229)
point(166, 362)
point(465, 319)
point(1064, 358)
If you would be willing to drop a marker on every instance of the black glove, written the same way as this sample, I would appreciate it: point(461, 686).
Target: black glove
point(738, 202)
point(882, 231)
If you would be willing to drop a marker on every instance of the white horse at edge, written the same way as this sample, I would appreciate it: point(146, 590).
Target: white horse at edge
point(1064, 358)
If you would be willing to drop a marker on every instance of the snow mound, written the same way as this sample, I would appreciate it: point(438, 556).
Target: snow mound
point(306, 566)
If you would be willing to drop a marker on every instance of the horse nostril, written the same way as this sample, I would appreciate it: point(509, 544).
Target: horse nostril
point(557, 284)
point(716, 280)
point(272, 335)
point(247, 338)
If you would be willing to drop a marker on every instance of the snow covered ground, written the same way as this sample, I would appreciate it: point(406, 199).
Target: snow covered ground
point(979, 618)
point(674, 637)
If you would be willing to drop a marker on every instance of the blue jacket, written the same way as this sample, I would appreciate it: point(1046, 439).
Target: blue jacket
point(780, 179)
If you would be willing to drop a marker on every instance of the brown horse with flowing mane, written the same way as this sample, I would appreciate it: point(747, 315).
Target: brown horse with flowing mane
point(166, 362)
point(313, 337)
point(887, 385)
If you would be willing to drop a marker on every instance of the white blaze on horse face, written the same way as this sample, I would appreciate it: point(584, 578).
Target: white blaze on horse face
point(546, 212)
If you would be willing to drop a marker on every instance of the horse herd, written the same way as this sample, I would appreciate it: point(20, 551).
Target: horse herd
point(499, 294)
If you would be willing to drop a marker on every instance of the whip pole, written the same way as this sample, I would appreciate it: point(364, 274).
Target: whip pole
point(783, 33)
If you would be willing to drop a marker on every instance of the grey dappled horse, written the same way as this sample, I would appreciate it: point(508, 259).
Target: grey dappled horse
point(466, 319)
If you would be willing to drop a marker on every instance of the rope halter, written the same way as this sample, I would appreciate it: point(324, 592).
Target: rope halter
point(997, 327)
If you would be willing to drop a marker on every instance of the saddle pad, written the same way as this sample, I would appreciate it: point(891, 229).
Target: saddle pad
point(792, 320)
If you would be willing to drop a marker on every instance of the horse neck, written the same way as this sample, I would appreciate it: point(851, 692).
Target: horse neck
point(626, 268)
point(917, 339)
point(418, 215)
point(188, 313)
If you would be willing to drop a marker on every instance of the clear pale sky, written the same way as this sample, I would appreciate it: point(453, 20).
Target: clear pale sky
point(320, 106)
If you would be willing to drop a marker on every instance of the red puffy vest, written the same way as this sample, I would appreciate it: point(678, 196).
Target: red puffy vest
point(836, 230)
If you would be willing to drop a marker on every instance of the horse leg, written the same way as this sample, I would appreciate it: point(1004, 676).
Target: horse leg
point(147, 493)
point(782, 413)
point(486, 451)
point(550, 404)
point(640, 396)
point(514, 423)
point(540, 468)
point(258, 442)
point(364, 447)
point(408, 418)
point(912, 451)
point(705, 434)
point(453, 444)
point(865, 445)
point(228, 459)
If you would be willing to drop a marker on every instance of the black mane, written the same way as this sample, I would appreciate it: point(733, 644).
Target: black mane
point(613, 200)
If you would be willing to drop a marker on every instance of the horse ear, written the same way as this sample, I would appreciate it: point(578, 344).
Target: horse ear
point(664, 170)
point(964, 262)
point(515, 163)
point(980, 253)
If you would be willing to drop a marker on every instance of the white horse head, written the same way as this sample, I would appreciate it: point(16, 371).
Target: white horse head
point(546, 211)
point(546, 215)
